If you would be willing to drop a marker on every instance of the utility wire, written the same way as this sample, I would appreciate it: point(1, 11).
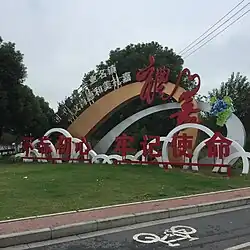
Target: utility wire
point(217, 34)
point(210, 28)
point(216, 29)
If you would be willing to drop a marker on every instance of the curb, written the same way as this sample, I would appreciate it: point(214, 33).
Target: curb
point(45, 234)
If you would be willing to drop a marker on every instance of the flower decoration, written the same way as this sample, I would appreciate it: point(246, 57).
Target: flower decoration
point(222, 109)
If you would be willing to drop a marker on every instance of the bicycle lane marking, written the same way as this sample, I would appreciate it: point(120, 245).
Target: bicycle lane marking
point(171, 236)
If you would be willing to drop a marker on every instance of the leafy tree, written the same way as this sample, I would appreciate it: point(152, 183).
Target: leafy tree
point(30, 114)
point(136, 56)
point(21, 112)
point(12, 73)
point(238, 88)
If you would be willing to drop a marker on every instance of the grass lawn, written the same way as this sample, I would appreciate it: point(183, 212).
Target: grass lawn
point(35, 189)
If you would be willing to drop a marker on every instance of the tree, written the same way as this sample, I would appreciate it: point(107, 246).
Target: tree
point(238, 88)
point(21, 112)
point(130, 59)
point(136, 56)
point(30, 114)
point(12, 73)
point(47, 113)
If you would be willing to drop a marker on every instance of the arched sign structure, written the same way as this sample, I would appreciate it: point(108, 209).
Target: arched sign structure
point(181, 140)
point(151, 82)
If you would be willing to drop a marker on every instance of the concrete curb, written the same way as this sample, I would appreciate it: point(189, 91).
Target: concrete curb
point(112, 222)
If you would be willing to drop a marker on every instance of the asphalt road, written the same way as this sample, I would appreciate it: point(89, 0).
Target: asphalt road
point(214, 231)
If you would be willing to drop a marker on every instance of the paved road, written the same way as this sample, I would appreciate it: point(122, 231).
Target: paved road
point(214, 231)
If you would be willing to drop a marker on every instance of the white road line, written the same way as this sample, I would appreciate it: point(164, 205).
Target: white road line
point(245, 246)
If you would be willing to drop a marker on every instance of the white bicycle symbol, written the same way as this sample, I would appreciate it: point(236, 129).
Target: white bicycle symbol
point(181, 233)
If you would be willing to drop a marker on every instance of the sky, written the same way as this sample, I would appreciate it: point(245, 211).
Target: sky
point(63, 39)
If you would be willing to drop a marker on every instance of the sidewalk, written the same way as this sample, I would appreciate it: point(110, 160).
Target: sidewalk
point(51, 221)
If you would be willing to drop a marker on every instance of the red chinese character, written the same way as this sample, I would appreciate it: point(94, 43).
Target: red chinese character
point(151, 85)
point(122, 144)
point(180, 145)
point(27, 145)
point(218, 146)
point(150, 149)
point(186, 98)
point(64, 145)
point(183, 116)
point(44, 146)
point(79, 147)
point(162, 77)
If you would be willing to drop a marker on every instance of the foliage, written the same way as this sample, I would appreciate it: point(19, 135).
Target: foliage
point(136, 56)
point(21, 112)
point(238, 88)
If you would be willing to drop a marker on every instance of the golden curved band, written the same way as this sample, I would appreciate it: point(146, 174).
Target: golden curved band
point(100, 110)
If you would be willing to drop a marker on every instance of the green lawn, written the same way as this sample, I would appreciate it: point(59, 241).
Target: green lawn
point(34, 189)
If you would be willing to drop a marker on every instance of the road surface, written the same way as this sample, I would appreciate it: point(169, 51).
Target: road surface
point(214, 230)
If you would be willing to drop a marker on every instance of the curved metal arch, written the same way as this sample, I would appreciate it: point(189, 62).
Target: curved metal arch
point(235, 128)
point(104, 144)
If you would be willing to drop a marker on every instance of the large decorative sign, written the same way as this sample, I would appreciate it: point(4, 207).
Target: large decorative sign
point(72, 146)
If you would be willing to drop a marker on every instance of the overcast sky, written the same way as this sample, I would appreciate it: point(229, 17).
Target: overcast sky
point(63, 39)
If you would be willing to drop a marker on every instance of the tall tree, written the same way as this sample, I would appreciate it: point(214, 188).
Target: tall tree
point(30, 114)
point(21, 112)
point(136, 56)
point(12, 73)
point(238, 88)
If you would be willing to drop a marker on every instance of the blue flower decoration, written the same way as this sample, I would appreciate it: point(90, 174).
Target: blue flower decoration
point(222, 109)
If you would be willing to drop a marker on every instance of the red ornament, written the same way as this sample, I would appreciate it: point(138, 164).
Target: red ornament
point(44, 146)
point(218, 146)
point(122, 144)
point(79, 147)
point(27, 145)
point(64, 145)
point(180, 145)
point(151, 85)
point(187, 107)
point(151, 146)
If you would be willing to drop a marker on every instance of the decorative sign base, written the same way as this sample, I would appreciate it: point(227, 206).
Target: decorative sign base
point(74, 150)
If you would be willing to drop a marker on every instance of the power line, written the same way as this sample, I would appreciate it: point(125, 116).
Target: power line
point(216, 28)
point(217, 34)
point(211, 27)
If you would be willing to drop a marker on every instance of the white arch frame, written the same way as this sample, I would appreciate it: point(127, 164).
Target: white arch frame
point(240, 153)
point(168, 138)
